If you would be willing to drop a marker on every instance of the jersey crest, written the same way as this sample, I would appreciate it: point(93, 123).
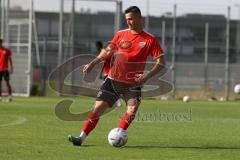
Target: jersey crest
point(142, 44)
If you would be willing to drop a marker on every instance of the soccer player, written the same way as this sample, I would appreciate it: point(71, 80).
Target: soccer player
point(130, 49)
point(5, 58)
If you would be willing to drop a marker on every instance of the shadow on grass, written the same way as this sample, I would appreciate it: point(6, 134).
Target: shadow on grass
point(182, 147)
point(84, 146)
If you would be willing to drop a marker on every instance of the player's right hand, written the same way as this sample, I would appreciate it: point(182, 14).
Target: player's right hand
point(87, 68)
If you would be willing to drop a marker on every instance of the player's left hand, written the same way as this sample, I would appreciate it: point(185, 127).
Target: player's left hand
point(140, 78)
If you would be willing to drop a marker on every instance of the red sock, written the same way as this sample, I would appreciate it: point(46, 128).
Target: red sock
point(126, 120)
point(9, 89)
point(91, 123)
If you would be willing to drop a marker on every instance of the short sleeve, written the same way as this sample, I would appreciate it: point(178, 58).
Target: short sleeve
point(156, 50)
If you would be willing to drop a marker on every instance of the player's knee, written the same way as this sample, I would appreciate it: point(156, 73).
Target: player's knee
point(133, 102)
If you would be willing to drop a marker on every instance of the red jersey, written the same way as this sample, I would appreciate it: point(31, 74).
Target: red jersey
point(4, 56)
point(131, 54)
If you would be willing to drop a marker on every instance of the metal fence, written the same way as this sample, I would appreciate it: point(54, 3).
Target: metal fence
point(16, 31)
point(201, 42)
point(201, 46)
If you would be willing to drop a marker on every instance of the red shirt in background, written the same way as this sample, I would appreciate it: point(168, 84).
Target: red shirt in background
point(4, 56)
point(106, 66)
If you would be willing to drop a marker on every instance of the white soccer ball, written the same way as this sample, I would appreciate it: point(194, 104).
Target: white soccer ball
point(186, 99)
point(117, 137)
point(237, 89)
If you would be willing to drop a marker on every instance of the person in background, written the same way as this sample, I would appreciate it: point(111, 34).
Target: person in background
point(106, 67)
point(5, 70)
point(107, 62)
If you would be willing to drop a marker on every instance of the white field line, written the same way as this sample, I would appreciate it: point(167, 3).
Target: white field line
point(19, 120)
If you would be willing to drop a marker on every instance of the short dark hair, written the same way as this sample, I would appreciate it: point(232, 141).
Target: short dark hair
point(1, 40)
point(133, 9)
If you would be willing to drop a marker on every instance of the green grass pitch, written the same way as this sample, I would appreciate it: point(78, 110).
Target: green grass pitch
point(165, 130)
